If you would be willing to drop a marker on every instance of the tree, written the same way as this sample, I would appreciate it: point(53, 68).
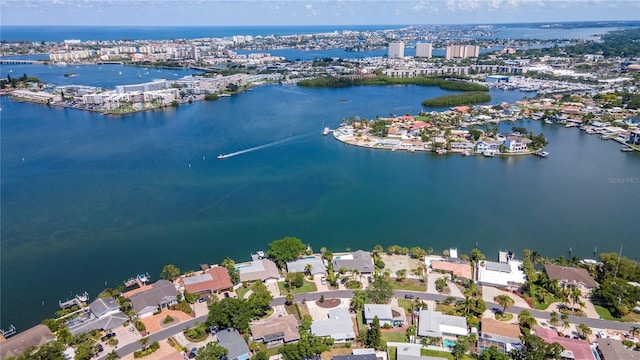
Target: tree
point(169, 272)
point(52, 350)
point(374, 336)
point(290, 298)
point(307, 269)
point(526, 321)
point(419, 272)
point(113, 355)
point(553, 318)
point(584, 330)
point(64, 335)
point(634, 331)
point(505, 301)
point(379, 291)
point(212, 351)
point(461, 347)
point(260, 355)
point(401, 274)
point(493, 353)
point(286, 249)
point(565, 320)
point(358, 300)
point(534, 348)
point(143, 342)
point(230, 265)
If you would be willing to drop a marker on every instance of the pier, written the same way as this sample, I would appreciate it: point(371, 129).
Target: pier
point(20, 62)
point(8, 333)
point(140, 280)
point(78, 300)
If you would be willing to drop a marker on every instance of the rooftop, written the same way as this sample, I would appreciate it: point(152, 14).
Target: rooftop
point(259, 269)
point(570, 274)
point(16, 345)
point(287, 325)
point(214, 279)
point(317, 266)
point(580, 349)
point(459, 269)
point(382, 311)
point(231, 340)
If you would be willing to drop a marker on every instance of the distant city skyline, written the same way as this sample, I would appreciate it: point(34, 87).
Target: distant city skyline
point(312, 12)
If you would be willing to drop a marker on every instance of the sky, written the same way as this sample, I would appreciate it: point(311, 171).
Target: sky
point(310, 12)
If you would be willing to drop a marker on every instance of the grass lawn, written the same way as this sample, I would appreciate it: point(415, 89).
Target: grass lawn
point(392, 353)
point(604, 313)
point(307, 286)
point(443, 354)
point(394, 336)
point(241, 291)
point(446, 309)
point(409, 285)
point(504, 317)
point(405, 304)
point(269, 351)
point(360, 318)
point(548, 300)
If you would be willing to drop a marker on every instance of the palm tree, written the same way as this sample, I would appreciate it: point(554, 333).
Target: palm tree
point(505, 301)
point(419, 272)
point(307, 269)
point(584, 330)
point(401, 274)
point(634, 331)
point(554, 318)
point(565, 320)
point(143, 342)
point(574, 296)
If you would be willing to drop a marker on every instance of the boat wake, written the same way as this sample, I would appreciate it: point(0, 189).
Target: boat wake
point(225, 156)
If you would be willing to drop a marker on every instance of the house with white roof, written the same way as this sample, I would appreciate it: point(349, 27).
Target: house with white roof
point(436, 324)
point(338, 326)
point(507, 273)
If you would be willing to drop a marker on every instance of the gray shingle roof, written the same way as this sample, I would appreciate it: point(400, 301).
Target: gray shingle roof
point(317, 266)
point(382, 311)
point(361, 261)
point(231, 340)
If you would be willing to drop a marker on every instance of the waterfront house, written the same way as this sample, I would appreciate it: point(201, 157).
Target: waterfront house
point(359, 260)
point(482, 146)
point(502, 335)
point(231, 340)
point(276, 331)
point(516, 144)
point(210, 281)
point(354, 356)
point(461, 146)
point(338, 326)
point(300, 265)
point(104, 314)
point(258, 269)
point(634, 137)
point(574, 349)
point(457, 268)
point(156, 296)
point(571, 277)
point(436, 324)
point(17, 344)
point(505, 274)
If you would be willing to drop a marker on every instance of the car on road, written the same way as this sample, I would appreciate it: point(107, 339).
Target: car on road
point(409, 296)
point(323, 280)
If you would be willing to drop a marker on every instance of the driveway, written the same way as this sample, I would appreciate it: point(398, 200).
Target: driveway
point(489, 292)
point(318, 280)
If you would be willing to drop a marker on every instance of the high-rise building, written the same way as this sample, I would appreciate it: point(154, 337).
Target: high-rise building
point(396, 50)
point(461, 51)
point(424, 50)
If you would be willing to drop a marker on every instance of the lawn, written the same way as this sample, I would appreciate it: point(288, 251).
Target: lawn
point(446, 309)
point(406, 304)
point(605, 314)
point(394, 336)
point(270, 351)
point(548, 300)
point(360, 319)
point(409, 285)
point(442, 354)
point(392, 353)
point(241, 291)
point(504, 317)
point(307, 287)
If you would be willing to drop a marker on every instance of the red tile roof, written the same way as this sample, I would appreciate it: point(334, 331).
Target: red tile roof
point(217, 279)
point(581, 349)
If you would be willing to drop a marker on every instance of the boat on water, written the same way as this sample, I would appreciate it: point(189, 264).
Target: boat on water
point(220, 157)
point(626, 148)
point(542, 153)
point(488, 153)
point(548, 122)
point(326, 131)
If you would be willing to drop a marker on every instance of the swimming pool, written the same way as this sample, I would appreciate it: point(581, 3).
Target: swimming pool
point(449, 343)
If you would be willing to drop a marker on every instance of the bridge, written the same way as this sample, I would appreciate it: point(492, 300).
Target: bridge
point(19, 62)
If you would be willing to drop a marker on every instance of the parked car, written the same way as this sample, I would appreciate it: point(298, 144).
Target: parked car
point(203, 299)
point(323, 280)
point(409, 296)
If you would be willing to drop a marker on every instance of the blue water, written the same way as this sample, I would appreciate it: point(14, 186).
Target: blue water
point(60, 33)
point(89, 200)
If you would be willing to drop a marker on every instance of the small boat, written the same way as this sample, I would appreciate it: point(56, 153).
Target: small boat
point(488, 153)
point(542, 153)
point(326, 131)
point(220, 157)
point(626, 149)
point(548, 122)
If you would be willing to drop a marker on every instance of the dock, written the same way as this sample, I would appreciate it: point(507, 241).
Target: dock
point(79, 300)
point(140, 280)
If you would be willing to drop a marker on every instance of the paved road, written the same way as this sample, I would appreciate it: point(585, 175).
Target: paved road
point(166, 333)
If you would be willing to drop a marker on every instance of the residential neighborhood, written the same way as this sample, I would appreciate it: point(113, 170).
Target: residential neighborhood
point(370, 307)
